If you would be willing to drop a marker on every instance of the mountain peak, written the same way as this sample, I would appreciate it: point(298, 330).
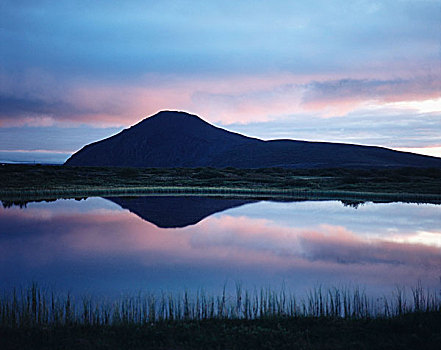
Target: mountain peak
point(168, 112)
point(175, 115)
point(169, 119)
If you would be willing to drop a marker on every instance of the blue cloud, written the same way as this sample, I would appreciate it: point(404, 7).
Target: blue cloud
point(51, 138)
point(109, 38)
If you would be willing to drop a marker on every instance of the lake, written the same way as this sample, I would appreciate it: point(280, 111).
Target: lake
point(113, 246)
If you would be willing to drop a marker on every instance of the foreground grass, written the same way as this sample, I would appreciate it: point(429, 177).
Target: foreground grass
point(34, 181)
point(413, 331)
point(335, 318)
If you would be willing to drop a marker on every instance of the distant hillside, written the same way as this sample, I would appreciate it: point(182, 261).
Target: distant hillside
point(178, 139)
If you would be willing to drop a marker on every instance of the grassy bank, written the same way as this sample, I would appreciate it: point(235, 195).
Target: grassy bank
point(335, 318)
point(19, 182)
point(415, 331)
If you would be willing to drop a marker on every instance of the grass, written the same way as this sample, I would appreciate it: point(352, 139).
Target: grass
point(18, 182)
point(267, 319)
point(36, 307)
point(415, 331)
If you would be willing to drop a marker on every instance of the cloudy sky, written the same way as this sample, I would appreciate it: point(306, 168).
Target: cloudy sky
point(366, 72)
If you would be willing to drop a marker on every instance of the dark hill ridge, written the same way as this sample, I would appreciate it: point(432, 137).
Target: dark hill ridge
point(179, 139)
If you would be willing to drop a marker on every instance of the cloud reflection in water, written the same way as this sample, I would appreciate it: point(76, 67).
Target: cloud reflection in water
point(106, 248)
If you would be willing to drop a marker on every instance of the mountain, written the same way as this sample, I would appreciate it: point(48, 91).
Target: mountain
point(179, 139)
point(173, 212)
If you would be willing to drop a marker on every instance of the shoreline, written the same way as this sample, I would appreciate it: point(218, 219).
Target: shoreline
point(224, 192)
point(34, 182)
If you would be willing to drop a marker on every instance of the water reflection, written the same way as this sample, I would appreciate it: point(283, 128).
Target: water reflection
point(168, 211)
point(97, 246)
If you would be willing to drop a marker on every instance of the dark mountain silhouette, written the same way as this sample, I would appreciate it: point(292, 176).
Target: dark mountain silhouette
point(172, 212)
point(178, 139)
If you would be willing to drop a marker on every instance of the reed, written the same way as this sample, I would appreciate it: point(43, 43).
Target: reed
point(39, 307)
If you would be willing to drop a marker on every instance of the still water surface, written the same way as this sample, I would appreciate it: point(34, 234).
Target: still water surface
point(109, 246)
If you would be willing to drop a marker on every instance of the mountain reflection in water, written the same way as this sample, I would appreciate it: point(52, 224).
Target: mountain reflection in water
point(177, 243)
point(173, 212)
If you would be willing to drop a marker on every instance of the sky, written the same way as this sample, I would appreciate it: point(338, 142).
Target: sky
point(73, 72)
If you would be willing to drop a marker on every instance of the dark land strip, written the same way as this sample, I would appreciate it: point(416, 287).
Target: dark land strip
point(414, 331)
point(36, 182)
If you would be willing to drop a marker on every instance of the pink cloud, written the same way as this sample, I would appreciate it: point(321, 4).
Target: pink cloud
point(339, 97)
point(218, 99)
